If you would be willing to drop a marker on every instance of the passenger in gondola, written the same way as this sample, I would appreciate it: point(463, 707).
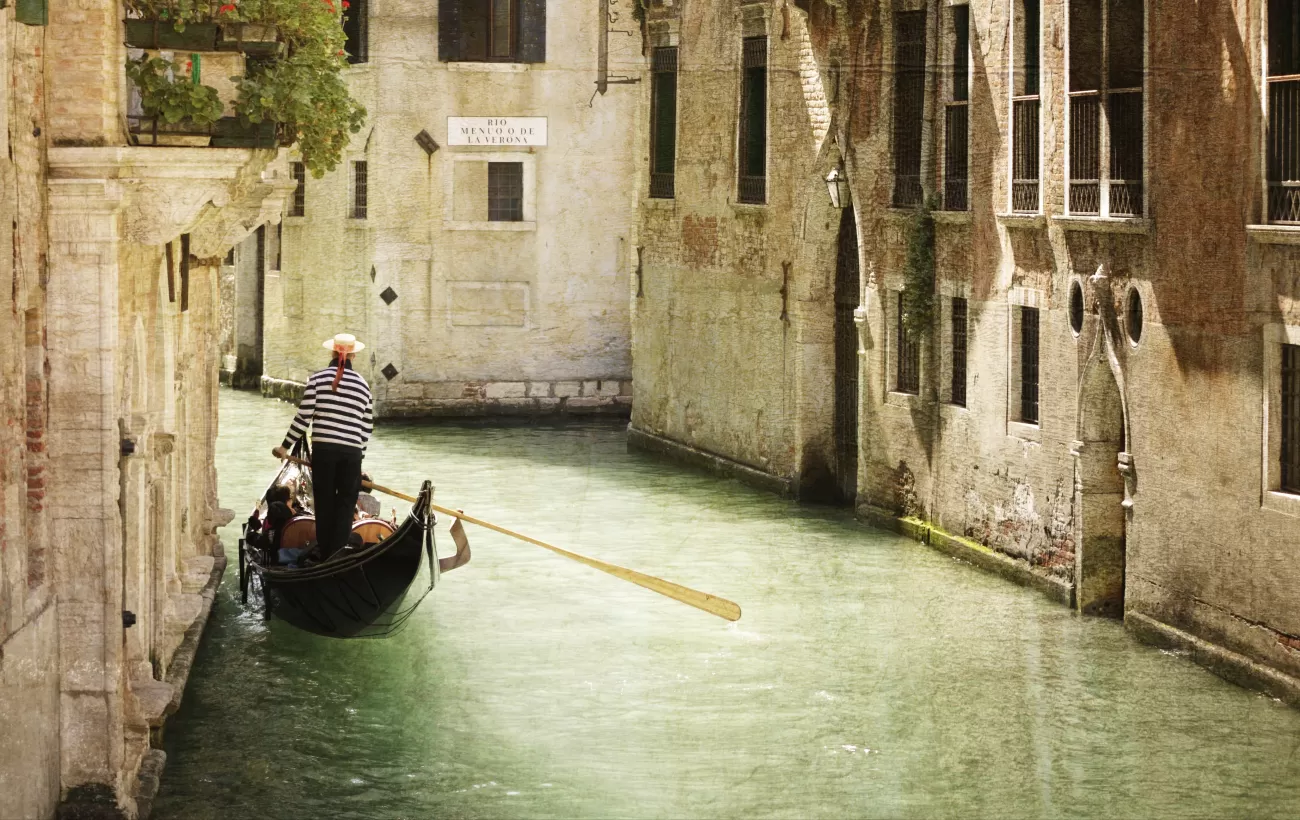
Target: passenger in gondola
point(338, 407)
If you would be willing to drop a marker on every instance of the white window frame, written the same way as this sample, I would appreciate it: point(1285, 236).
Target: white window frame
point(1011, 111)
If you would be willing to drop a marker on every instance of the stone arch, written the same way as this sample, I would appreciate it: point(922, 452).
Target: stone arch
point(1103, 467)
point(811, 296)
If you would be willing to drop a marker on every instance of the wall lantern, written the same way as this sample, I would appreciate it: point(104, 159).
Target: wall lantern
point(838, 187)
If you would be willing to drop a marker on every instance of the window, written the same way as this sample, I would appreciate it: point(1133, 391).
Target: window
point(279, 245)
point(1284, 110)
point(299, 205)
point(753, 123)
point(359, 185)
point(512, 31)
point(261, 251)
point(1107, 40)
point(230, 256)
point(356, 28)
point(1290, 418)
point(505, 191)
point(663, 122)
point(909, 102)
point(1028, 350)
point(956, 151)
point(958, 392)
point(909, 356)
point(1025, 105)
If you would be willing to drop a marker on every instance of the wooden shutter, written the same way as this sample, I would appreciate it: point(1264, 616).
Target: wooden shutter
point(532, 31)
point(449, 16)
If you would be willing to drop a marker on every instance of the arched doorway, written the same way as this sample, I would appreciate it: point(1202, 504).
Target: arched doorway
point(848, 292)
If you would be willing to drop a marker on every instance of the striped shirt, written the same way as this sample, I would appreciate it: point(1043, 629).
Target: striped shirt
point(336, 417)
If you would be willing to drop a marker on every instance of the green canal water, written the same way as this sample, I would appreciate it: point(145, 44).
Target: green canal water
point(869, 676)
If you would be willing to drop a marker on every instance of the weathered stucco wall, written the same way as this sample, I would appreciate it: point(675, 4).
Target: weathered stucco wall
point(488, 317)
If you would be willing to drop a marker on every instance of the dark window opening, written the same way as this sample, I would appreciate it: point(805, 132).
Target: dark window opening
point(261, 250)
point(1025, 106)
point(360, 195)
point(1076, 308)
point(752, 187)
point(1284, 110)
point(909, 102)
point(492, 31)
point(663, 123)
point(279, 245)
point(1107, 44)
point(909, 356)
point(299, 206)
point(958, 352)
point(505, 191)
point(1291, 418)
point(1029, 365)
point(356, 28)
point(230, 255)
point(956, 151)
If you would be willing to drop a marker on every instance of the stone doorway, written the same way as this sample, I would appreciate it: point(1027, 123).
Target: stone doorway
point(848, 291)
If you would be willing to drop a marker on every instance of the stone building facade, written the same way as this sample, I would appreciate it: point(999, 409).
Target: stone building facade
point(1095, 386)
point(485, 262)
point(109, 323)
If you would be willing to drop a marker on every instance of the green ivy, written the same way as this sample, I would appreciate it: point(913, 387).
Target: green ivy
point(918, 272)
point(170, 99)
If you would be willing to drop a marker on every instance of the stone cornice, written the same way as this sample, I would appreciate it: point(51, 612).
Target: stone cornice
point(218, 195)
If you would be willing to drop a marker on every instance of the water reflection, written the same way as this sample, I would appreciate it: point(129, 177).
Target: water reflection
point(869, 676)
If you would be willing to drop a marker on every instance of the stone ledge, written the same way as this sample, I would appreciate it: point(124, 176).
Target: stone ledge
point(709, 462)
point(282, 389)
point(1225, 663)
point(972, 552)
point(178, 671)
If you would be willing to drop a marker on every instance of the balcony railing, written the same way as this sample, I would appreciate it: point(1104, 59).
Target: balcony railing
point(1024, 154)
point(661, 186)
point(956, 157)
point(1085, 152)
point(1284, 148)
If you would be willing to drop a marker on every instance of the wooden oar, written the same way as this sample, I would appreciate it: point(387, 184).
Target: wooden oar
point(711, 604)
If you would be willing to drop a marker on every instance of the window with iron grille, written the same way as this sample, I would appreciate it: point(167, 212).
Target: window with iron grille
point(908, 377)
point(752, 179)
point(1025, 107)
point(261, 251)
point(511, 31)
point(958, 392)
point(1029, 365)
point(909, 106)
point(505, 191)
point(1107, 45)
point(279, 245)
point(299, 206)
point(956, 148)
point(1290, 419)
point(663, 122)
point(1284, 110)
point(356, 30)
point(359, 186)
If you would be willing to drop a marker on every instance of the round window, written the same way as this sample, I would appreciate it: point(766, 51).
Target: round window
point(1076, 308)
point(1134, 316)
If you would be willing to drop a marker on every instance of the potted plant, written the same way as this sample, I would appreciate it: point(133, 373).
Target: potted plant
point(183, 25)
point(249, 27)
point(304, 92)
point(179, 110)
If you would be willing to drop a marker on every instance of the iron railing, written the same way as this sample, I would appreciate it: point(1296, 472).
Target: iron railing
point(1024, 154)
point(1284, 148)
point(1029, 365)
point(663, 123)
point(956, 157)
point(1085, 152)
point(1124, 115)
point(958, 391)
point(909, 356)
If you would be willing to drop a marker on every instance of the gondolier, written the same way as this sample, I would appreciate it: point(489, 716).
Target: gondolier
point(338, 406)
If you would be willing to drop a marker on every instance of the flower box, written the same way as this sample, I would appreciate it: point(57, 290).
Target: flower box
point(254, 39)
point(232, 132)
point(161, 34)
point(153, 131)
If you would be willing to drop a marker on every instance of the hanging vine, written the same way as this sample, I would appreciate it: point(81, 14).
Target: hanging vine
point(918, 272)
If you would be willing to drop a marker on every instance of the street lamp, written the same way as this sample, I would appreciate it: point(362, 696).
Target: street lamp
point(838, 187)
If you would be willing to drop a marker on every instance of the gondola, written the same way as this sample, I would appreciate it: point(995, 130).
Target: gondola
point(359, 592)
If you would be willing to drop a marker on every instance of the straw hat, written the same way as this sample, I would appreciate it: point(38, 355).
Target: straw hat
point(344, 343)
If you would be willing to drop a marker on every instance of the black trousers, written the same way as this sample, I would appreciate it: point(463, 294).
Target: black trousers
point(336, 481)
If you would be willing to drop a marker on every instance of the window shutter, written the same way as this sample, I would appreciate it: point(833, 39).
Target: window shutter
point(532, 31)
point(449, 22)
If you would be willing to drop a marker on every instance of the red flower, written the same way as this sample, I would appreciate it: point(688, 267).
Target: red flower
point(346, 4)
point(226, 9)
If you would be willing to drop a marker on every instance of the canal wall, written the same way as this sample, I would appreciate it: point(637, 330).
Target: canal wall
point(1091, 399)
point(467, 312)
point(108, 556)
